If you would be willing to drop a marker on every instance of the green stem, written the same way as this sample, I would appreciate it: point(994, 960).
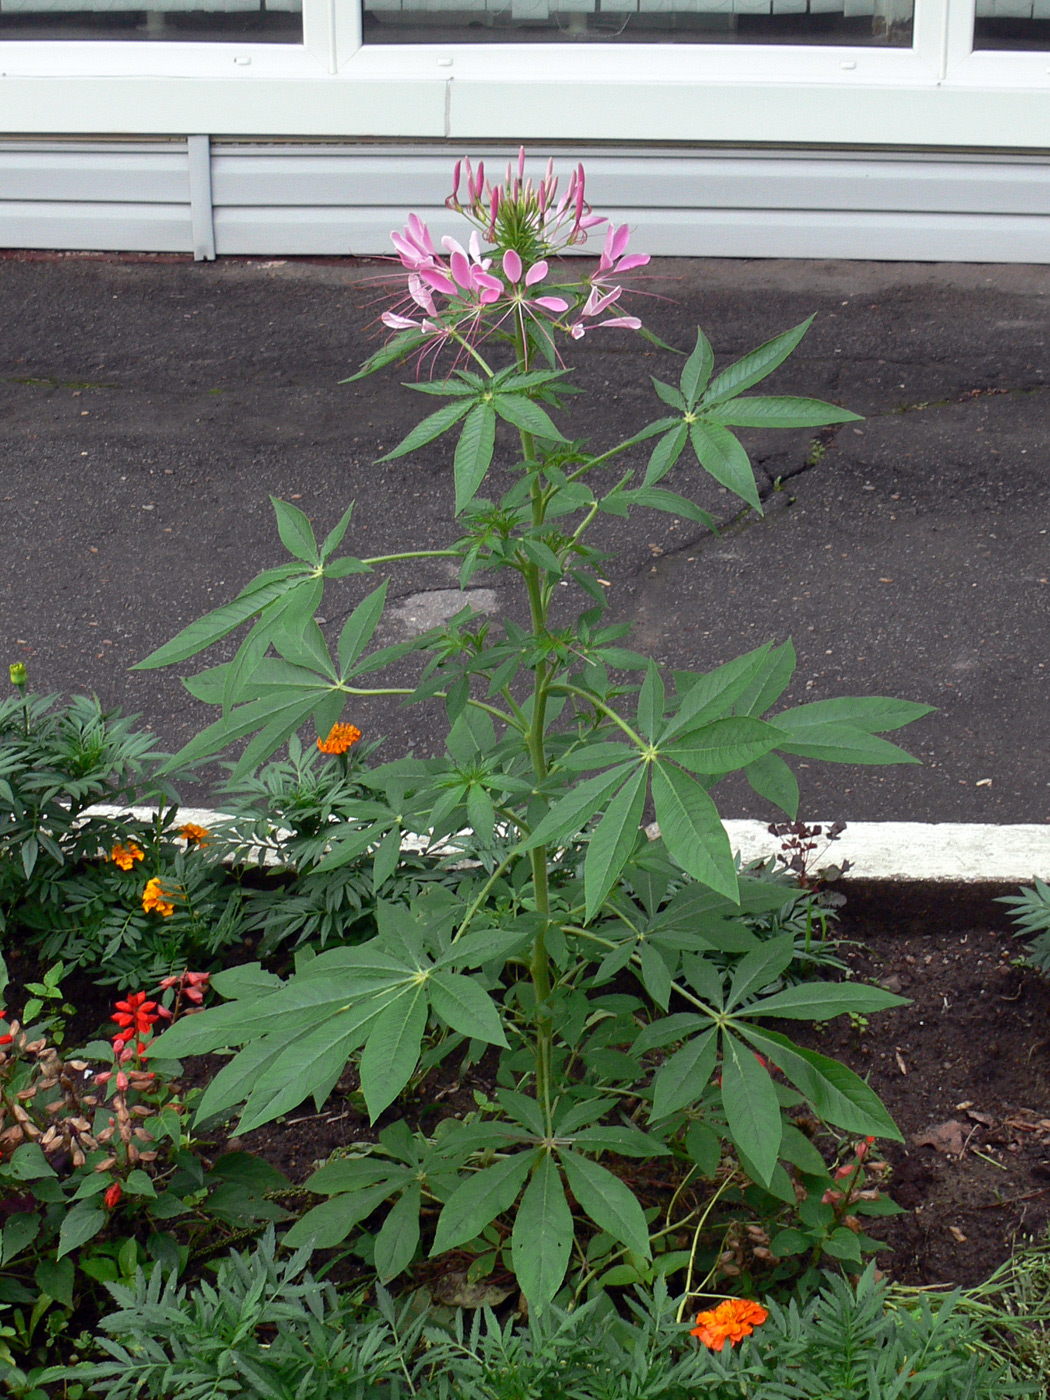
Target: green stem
point(602, 708)
point(413, 554)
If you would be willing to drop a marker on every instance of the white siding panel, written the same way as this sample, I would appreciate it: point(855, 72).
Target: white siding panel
point(111, 227)
point(140, 177)
point(247, 177)
point(748, 233)
point(322, 230)
point(858, 183)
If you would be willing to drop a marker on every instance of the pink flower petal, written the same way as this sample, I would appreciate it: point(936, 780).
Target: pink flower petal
point(536, 273)
point(485, 282)
point(512, 266)
point(627, 323)
point(551, 303)
point(433, 278)
point(461, 269)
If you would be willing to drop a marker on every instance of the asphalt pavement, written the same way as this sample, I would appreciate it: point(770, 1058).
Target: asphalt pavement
point(151, 406)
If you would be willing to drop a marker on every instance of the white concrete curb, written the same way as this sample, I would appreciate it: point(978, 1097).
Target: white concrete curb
point(949, 852)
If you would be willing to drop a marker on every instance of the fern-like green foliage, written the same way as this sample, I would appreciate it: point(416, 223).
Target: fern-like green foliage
point(1030, 911)
point(265, 1328)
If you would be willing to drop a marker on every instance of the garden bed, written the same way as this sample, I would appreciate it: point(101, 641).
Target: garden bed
point(962, 1069)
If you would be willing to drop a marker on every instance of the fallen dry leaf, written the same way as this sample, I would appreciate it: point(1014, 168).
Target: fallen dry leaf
point(956, 1234)
point(945, 1137)
point(900, 1062)
point(985, 1119)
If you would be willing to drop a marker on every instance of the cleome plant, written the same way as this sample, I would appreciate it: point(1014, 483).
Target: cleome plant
point(607, 987)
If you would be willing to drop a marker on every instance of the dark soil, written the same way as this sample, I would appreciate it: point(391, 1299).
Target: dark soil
point(965, 1071)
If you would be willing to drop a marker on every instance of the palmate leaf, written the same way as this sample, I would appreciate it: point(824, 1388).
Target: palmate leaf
point(479, 1200)
point(751, 1106)
point(611, 1204)
point(542, 1237)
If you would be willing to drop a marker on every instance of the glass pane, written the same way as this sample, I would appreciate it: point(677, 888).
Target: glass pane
point(173, 21)
point(640, 21)
point(1012, 24)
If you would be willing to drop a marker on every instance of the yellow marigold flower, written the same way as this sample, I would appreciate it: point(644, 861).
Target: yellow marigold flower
point(730, 1322)
point(157, 899)
point(193, 834)
point(126, 856)
point(340, 738)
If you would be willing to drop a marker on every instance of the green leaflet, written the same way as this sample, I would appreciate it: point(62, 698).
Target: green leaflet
point(480, 1199)
point(613, 841)
point(296, 532)
point(682, 1079)
point(473, 453)
point(611, 1204)
point(542, 1237)
point(430, 428)
point(755, 366)
point(696, 372)
point(837, 1094)
point(771, 412)
point(692, 830)
point(465, 1006)
point(722, 456)
point(391, 1052)
point(751, 1106)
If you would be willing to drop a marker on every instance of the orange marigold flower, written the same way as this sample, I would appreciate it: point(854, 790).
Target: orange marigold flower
point(340, 738)
point(731, 1321)
point(156, 898)
point(126, 856)
point(194, 835)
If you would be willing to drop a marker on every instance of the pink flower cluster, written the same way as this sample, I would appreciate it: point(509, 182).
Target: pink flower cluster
point(477, 296)
point(552, 222)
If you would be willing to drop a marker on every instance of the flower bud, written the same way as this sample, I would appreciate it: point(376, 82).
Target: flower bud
point(18, 674)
